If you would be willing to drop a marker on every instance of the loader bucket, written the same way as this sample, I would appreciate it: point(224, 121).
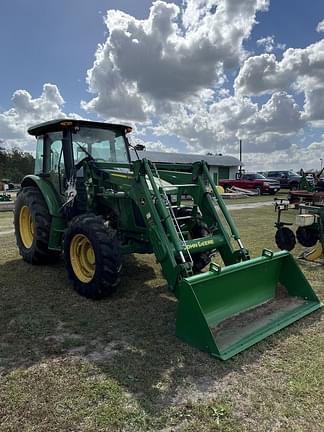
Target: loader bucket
point(224, 311)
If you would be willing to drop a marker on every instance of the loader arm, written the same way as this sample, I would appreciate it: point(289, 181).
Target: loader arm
point(172, 249)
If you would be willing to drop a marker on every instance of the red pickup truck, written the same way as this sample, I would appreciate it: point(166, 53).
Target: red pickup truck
point(251, 181)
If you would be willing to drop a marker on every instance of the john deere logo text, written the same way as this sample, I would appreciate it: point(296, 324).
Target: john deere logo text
point(200, 244)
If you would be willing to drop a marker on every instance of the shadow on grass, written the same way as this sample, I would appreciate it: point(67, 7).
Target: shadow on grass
point(131, 335)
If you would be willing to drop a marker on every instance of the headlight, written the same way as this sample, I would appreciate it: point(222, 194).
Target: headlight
point(266, 184)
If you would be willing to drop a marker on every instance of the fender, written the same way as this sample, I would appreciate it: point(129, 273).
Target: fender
point(49, 194)
point(54, 205)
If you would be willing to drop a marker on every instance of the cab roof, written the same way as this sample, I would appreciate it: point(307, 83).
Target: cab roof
point(64, 123)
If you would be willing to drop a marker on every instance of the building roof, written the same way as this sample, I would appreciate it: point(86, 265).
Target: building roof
point(228, 161)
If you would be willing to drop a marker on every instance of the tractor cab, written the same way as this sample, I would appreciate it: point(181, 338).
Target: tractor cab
point(63, 144)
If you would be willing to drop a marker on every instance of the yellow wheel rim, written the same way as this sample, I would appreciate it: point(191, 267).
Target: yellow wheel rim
point(83, 258)
point(26, 227)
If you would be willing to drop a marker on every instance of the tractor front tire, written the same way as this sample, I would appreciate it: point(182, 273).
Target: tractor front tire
point(92, 256)
point(32, 223)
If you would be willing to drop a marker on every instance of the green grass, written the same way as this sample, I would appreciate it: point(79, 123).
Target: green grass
point(70, 364)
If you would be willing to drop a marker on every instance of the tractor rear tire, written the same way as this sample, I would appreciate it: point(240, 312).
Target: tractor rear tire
point(92, 256)
point(32, 223)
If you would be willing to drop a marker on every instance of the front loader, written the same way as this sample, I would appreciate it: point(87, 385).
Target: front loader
point(89, 200)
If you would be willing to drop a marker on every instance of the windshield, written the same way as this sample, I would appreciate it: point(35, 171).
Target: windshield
point(105, 145)
point(259, 176)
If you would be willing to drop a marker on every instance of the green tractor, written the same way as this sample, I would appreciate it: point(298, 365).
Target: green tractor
point(89, 200)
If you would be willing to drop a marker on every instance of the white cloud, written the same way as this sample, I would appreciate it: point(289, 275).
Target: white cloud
point(301, 70)
point(27, 111)
point(294, 157)
point(153, 145)
point(269, 45)
point(169, 56)
point(172, 67)
point(280, 114)
point(262, 74)
point(217, 127)
point(320, 27)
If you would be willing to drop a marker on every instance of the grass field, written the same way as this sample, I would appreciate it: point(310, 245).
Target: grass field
point(70, 364)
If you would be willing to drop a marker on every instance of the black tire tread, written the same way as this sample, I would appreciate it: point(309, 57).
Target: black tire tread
point(307, 235)
point(105, 243)
point(285, 239)
point(39, 252)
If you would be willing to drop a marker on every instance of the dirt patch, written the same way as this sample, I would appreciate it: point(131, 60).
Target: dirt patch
point(232, 329)
point(102, 353)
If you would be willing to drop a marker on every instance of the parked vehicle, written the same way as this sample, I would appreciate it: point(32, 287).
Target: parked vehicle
point(319, 181)
point(320, 185)
point(287, 179)
point(253, 181)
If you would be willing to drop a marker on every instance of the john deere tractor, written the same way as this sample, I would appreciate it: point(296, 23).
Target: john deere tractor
point(88, 200)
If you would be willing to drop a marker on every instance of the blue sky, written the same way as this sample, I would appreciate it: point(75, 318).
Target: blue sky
point(56, 42)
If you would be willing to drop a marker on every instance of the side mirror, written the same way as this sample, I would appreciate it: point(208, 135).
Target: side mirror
point(139, 147)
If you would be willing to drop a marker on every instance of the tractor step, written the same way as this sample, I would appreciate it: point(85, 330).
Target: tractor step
point(180, 185)
point(182, 218)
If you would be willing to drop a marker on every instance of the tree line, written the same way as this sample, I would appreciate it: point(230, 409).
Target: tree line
point(15, 164)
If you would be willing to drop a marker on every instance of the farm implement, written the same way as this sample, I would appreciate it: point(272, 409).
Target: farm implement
point(5, 197)
point(88, 200)
point(309, 232)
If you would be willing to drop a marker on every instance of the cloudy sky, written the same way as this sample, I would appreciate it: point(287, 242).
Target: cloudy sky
point(190, 75)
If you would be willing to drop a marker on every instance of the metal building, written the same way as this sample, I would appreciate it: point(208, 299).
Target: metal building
point(221, 167)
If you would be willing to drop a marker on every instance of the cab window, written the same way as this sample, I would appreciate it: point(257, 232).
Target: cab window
point(105, 145)
point(39, 155)
point(54, 158)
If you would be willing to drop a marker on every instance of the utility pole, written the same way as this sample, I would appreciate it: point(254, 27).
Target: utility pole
point(240, 157)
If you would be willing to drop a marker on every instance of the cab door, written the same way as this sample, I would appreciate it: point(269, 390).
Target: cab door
point(248, 180)
point(54, 161)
